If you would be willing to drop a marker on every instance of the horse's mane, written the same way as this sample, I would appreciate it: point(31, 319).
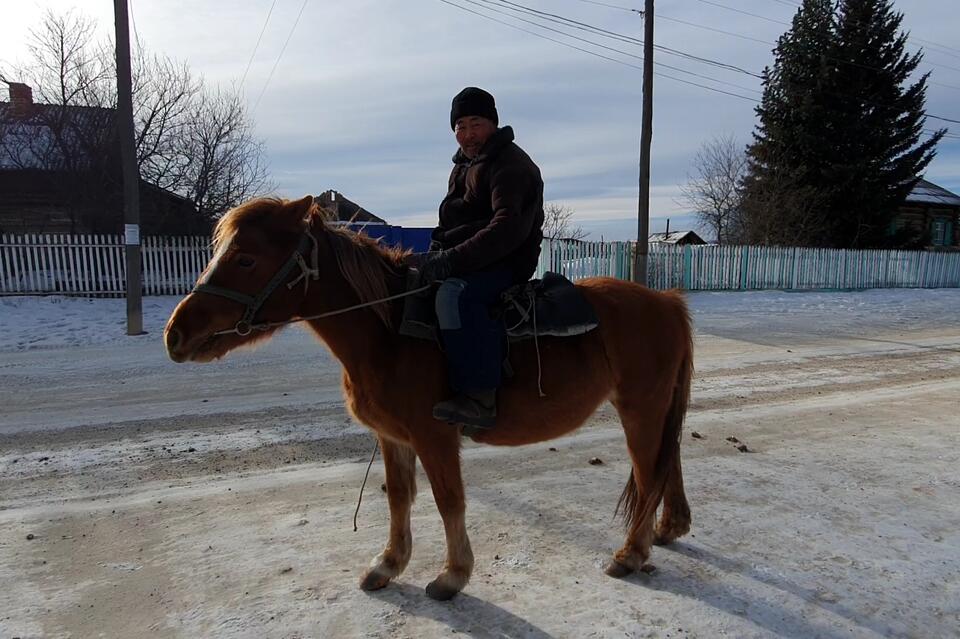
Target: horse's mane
point(364, 262)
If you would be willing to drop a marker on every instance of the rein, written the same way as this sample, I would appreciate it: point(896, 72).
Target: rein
point(252, 304)
point(262, 326)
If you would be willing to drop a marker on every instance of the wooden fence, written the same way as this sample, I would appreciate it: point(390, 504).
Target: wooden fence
point(713, 268)
point(93, 265)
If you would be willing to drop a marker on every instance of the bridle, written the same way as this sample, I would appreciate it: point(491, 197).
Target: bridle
point(252, 303)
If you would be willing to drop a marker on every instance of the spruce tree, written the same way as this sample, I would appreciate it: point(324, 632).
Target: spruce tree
point(878, 154)
point(787, 156)
point(837, 147)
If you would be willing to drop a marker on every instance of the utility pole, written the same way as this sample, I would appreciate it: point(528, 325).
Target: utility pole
point(131, 174)
point(646, 135)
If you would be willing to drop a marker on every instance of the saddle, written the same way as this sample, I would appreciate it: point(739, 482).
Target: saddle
point(549, 306)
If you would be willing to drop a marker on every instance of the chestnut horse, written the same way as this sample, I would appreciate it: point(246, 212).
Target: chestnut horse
point(640, 358)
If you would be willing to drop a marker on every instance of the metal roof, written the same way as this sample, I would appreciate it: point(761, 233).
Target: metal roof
point(929, 193)
point(673, 237)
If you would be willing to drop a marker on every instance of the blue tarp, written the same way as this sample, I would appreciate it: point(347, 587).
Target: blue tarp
point(416, 239)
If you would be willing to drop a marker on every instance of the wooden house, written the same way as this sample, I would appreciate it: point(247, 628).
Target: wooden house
point(933, 213)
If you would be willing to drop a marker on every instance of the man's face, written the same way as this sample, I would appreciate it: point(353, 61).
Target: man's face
point(472, 133)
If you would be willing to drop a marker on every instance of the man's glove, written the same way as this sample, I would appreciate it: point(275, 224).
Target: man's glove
point(436, 267)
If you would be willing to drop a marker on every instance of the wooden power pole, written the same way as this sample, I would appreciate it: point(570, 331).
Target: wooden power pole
point(131, 174)
point(646, 136)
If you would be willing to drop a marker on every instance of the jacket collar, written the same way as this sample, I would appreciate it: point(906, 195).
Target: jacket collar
point(500, 138)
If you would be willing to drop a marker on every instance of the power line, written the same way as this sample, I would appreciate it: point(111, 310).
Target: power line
point(701, 26)
point(746, 13)
point(952, 136)
point(597, 31)
point(754, 15)
point(594, 53)
point(513, 26)
point(257, 45)
point(567, 22)
point(613, 6)
point(133, 21)
point(942, 46)
point(931, 43)
point(289, 35)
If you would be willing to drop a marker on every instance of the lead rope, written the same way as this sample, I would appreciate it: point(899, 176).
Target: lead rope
point(266, 325)
point(362, 486)
point(536, 343)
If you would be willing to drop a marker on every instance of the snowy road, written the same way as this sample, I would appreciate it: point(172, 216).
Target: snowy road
point(187, 501)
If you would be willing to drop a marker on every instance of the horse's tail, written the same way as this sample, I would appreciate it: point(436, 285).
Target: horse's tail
point(634, 510)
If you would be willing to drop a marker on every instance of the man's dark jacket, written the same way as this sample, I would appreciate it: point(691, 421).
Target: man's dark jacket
point(492, 216)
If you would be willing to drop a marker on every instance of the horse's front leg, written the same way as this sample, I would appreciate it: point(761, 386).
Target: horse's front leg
point(399, 462)
point(441, 461)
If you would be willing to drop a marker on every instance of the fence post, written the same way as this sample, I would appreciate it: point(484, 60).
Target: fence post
point(687, 267)
point(744, 265)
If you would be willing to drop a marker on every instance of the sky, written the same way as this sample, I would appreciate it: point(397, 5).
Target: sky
point(358, 100)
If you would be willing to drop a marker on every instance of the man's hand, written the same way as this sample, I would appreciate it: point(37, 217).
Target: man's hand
point(436, 267)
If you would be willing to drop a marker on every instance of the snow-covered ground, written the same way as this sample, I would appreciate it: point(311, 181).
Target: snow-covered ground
point(50, 322)
point(143, 498)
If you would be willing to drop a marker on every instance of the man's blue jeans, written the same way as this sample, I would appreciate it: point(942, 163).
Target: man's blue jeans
point(472, 339)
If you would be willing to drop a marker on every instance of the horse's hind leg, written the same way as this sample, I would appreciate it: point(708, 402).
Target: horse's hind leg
point(642, 427)
point(399, 462)
point(441, 461)
point(675, 518)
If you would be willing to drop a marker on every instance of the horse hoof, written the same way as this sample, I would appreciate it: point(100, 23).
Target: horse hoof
point(617, 570)
point(662, 540)
point(647, 568)
point(373, 580)
point(440, 592)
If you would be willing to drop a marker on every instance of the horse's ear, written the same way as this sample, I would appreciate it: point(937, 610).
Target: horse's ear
point(301, 208)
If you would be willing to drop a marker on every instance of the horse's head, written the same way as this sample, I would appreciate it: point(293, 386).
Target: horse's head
point(266, 254)
point(259, 248)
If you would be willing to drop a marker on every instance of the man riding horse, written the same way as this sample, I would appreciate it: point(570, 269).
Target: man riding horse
point(488, 239)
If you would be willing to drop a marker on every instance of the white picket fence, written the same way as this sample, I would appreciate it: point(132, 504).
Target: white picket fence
point(93, 265)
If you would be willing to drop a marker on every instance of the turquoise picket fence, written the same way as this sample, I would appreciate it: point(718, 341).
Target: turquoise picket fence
point(718, 268)
point(94, 266)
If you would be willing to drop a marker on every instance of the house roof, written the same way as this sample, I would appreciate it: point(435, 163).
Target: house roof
point(346, 210)
point(929, 193)
point(29, 139)
point(674, 237)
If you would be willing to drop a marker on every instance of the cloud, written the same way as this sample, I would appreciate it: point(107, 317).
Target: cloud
point(360, 99)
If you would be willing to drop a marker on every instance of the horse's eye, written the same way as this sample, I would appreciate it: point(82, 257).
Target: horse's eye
point(246, 261)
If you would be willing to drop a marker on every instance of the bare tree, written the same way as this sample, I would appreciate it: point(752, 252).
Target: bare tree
point(558, 223)
point(224, 161)
point(193, 141)
point(714, 191)
point(74, 154)
point(781, 212)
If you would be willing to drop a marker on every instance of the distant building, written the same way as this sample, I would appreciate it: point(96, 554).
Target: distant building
point(60, 173)
point(344, 210)
point(353, 216)
point(933, 213)
point(678, 238)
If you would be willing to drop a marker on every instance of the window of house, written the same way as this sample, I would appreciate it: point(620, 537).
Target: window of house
point(941, 232)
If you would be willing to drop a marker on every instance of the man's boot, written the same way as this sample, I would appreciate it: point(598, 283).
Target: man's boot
point(477, 408)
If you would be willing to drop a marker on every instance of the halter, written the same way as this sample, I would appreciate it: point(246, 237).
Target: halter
point(252, 303)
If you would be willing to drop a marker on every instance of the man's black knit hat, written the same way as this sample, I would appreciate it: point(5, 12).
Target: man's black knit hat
point(473, 101)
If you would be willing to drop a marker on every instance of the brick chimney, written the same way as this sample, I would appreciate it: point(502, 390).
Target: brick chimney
point(21, 99)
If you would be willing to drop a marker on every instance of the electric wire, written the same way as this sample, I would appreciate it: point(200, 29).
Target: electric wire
point(257, 45)
point(277, 62)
